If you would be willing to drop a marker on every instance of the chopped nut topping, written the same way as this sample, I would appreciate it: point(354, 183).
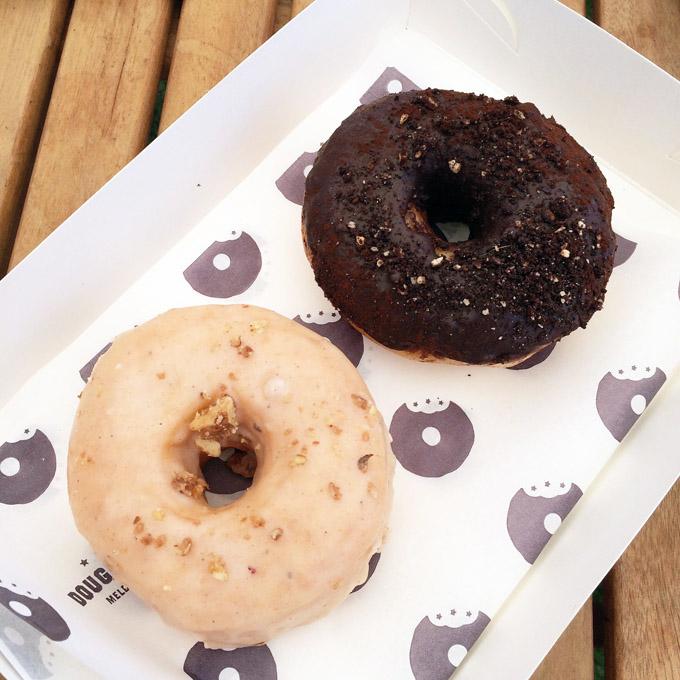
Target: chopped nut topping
point(235, 341)
point(437, 261)
point(379, 262)
point(218, 569)
point(299, 459)
point(372, 490)
point(360, 401)
point(158, 513)
point(485, 312)
point(160, 540)
point(362, 463)
point(418, 153)
point(403, 118)
point(188, 484)
point(334, 491)
point(466, 302)
point(420, 280)
point(360, 240)
point(351, 225)
point(564, 252)
point(243, 463)
point(276, 534)
point(213, 417)
point(256, 521)
point(209, 447)
point(184, 547)
point(373, 410)
point(258, 326)
point(454, 166)
point(519, 114)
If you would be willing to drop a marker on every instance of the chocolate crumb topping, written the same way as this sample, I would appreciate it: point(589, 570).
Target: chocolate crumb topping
point(537, 206)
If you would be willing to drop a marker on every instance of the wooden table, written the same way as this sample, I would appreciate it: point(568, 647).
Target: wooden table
point(78, 86)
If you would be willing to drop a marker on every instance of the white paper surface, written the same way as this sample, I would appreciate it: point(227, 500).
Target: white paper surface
point(460, 541)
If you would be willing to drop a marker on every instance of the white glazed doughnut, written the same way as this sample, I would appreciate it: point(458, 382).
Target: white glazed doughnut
point(181, 387)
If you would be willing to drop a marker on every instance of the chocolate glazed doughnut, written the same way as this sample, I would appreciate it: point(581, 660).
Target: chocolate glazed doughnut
point(540, 250)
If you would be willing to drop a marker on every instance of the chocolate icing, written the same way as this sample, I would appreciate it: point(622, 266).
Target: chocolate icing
point(541, 246)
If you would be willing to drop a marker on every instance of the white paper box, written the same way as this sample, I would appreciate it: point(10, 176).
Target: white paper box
point(98, 273)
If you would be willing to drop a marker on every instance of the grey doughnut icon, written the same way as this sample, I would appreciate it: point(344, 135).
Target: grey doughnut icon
point(23, 641)
point(532, 520)
point(226, 268)
point(27, 468)
point(86, 371)
point(36, 613)
point(341, 333)
point(372, 564)
point(436, 650)
point(534, 359)
point(292, 183)
point(431, 444)
point(624, 249)
point(390, 80)
point(251, 663)
point(620, 402)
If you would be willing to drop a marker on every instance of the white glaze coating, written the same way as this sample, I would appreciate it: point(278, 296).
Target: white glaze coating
point(299, 540)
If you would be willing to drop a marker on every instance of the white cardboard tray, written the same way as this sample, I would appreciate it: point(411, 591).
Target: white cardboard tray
point(599, 89)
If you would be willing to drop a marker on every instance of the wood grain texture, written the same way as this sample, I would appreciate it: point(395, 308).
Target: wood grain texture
point(571, 657)
point(642, 591)
point(577, 5)
point(30, 40)
point(212, 38)
point(651, 27)
point(100, 110)
point(299, 5)
point(284, 13)
point(642, 601)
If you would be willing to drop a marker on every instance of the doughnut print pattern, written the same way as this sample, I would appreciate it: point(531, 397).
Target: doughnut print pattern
point(533, 519)
point(344, 336)
point(86, 371)
point(35, 612)
point(24, 642)
point(390, 80)
point(431, 444)
point(621, 401)
point(535, 359)
point(226, 268)
point(437, 648)
point(624, 250)
point(245, 663)
point(372, 564)
point(292, 183)
point(27, 468)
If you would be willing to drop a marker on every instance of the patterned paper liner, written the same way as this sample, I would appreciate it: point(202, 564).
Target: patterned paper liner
point(490, 461)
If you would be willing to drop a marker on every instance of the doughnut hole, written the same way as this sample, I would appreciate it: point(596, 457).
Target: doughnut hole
point(215, 445)
point(224, 479)
point(451, 208)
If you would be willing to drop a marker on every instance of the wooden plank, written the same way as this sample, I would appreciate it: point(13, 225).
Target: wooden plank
point(212, 38)
point(651, 27)
point(284, 12)
point(299, 5)
point(571, 657)
point(642, 592)
point(30, 41)
point(642, 601)
point(577, 5)
point(100, 110)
